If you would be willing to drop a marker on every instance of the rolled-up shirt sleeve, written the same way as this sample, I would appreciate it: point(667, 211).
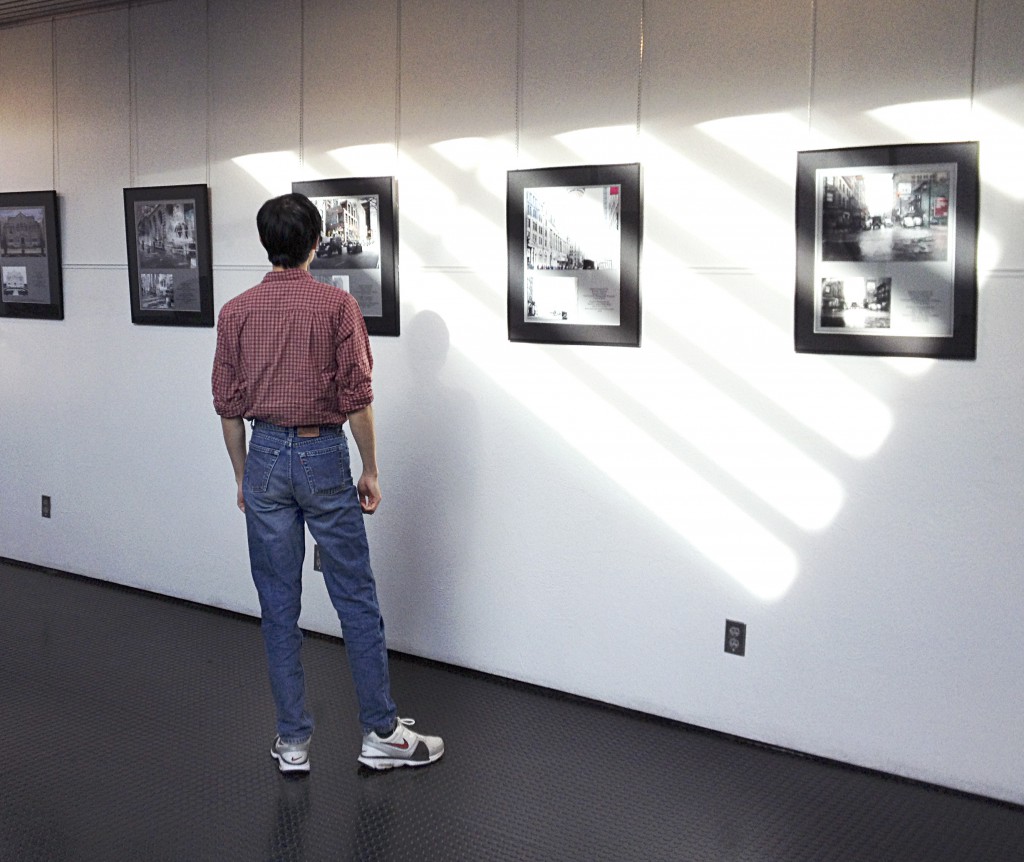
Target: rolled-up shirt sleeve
point(229, 397)
point(355, 361)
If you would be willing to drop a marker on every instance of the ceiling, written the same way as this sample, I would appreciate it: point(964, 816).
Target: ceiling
point(21, 11)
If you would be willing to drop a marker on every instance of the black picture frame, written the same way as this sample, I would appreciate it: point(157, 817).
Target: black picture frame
point(574, 239)
point(358, 252)
point(170, 263)
point(886, 256)
point(30, 256)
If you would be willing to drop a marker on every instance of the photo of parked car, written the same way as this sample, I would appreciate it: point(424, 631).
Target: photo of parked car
point(330, 246)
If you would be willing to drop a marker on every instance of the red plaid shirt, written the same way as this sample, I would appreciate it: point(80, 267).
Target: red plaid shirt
point(292, 351)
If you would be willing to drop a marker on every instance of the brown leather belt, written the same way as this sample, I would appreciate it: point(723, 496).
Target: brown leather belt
point(307, 431)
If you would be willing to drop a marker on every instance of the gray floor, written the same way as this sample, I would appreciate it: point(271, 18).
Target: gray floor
point(138, 728)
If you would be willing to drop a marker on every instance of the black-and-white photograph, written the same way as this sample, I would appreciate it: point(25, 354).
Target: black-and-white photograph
point(166, 234)
point(348, 256)
point(856, 303)
point(573, 255)
point(885, 215)
point(30, 271)
point(15, 283)
point(169, 291)
point(23, 240)
point(170, 270)
point(886, 248)
point(358, 251)
point(22, 232)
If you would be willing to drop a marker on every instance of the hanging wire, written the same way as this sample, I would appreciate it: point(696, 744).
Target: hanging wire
point(209, 92)
point(974, 50)
point(640, 72)
point(812, 61)
point(520, 19)
point(398, 80)
point(56, 114)
point(302, 85)
point(133, 106)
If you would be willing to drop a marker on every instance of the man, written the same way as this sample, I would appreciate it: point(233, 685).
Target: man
point(294, 357)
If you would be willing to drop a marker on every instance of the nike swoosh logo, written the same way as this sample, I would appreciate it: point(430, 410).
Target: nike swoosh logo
point(401, 747)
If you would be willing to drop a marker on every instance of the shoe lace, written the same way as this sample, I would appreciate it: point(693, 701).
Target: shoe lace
point(399, 724)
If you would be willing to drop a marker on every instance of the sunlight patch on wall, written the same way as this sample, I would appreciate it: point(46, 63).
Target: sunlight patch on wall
point(274, 171)
point(909, 366)
point(488, 159)
point(809, 388)
point(472, 239)
point(726, 433)
point(936, 120)
point(1003, 143)
point(603, 145)
point(770, 141)
point(638, 463)
point(716, 211)
point(366, 160)
point(990, 254)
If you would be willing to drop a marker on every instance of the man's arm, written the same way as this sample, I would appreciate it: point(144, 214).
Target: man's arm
point(361, 423)
point(234, 439)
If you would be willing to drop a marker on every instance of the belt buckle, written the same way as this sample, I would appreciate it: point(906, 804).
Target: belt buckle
point(307, 431)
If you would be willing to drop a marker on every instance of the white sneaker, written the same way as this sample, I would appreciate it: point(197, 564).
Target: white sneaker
point(403, 748)
point(291, 756)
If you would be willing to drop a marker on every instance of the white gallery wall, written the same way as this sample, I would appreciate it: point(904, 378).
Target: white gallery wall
point(577, 517)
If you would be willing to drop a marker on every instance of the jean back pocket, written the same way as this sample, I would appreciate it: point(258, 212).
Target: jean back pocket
point(326, 470)
point(259, 465)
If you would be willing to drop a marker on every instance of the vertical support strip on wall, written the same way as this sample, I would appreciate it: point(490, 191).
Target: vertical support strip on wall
point(974, 50)
point(812, 62)
point(302, 84)
point(398, 80)
point(209, 88)
point(520, 24)
point(56, 114)
point(133, 109)
point(640, 69)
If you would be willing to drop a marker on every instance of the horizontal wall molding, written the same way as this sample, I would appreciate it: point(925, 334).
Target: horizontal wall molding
point(988, 274)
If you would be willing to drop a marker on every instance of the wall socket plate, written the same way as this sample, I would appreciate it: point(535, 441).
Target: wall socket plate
point(735, 637)
point(46, 506)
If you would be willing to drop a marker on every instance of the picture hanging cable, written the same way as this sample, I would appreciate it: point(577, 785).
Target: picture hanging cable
point(640, 70)
point(519, 69)
point(56, 114)
point(398, 80)
point(302, 84)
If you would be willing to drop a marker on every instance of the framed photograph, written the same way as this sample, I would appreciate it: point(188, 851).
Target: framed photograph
point(358, 251)
point(887, 250)
point(170, 268)
point(574, 237)
point(30, 264)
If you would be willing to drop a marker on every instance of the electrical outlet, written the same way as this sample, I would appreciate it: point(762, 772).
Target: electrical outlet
point(316, 559)
point(735, 637)
point(46, 506)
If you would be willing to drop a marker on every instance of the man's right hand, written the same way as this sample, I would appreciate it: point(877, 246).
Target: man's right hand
point(369, 494)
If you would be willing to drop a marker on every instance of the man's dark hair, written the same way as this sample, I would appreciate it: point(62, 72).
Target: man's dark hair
point(290, 227)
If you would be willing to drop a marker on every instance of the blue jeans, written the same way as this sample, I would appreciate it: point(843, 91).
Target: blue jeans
point(291, 481)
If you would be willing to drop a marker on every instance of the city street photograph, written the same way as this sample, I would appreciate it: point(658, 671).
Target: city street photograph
point(165, 234)
point(571, 254)
point(856, 303)
point(886, 215)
